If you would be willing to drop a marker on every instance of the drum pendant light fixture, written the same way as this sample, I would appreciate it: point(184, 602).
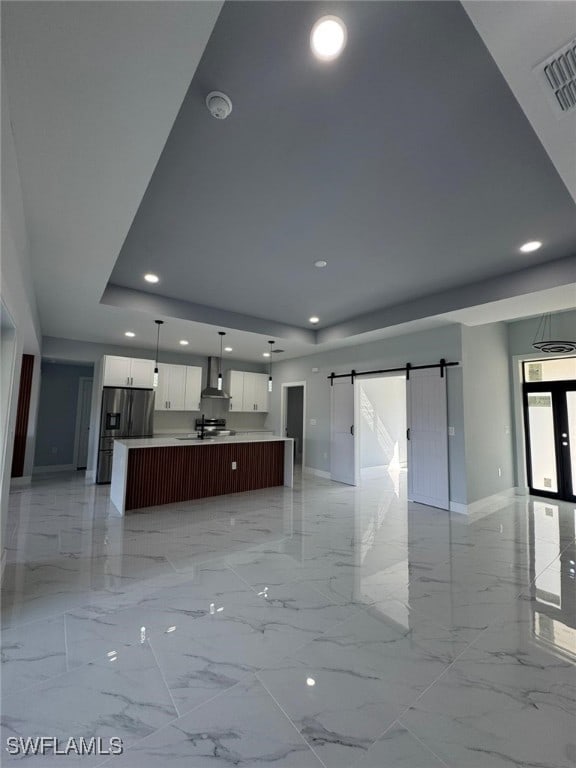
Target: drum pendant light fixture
point(544, 342)
point(270, 367)
point(155, 379)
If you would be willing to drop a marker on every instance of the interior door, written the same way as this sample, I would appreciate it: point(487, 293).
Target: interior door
point(343, 463)
point(427, 419)
point(550, 428)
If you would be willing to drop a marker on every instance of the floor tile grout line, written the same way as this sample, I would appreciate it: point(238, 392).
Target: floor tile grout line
point(418, 739)
point(287, 716)
point(149, 643)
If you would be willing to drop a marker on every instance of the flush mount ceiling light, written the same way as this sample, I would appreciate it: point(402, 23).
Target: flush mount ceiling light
point(531, 246)
point(328, 38)
point(130, 334)
point(320, 263)
point(314, 319)
point(544, 342)
point(151, 278)
point(227, 349)
point(184, 342)
point(265, 354)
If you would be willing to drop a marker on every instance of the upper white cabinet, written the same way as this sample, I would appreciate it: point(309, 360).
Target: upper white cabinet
point(128, 372)
point(248, 391)
point(179, 388)
point(193, 388)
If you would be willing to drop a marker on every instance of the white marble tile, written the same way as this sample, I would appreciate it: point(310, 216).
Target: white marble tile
point(431, 639)
point(398, 748)
point(32, 654)
point(123, 696)
point(242, 727)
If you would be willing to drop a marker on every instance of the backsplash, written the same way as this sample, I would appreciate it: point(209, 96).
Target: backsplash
point(169, 422)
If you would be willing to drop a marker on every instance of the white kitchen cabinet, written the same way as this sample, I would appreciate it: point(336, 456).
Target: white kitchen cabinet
point(171, 388)
point(193, 388)
point(179, 388)
point(128, 372)
point(248, 391)
point(142, 373)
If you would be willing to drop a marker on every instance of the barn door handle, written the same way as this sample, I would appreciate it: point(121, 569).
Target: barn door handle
point(352, 429)
point(408, 434)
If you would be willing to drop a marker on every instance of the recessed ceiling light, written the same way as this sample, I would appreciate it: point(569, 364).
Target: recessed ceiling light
point(131, 334)
point(328, 38)
point(533, 245)
point(265, 354)
point(320, 263)
point(314, 319)
point(310, 681)
point(184, 342)
point(151, 278)
point(227, 349)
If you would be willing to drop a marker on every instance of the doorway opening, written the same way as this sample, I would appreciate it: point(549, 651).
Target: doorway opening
point(549, 399)
point(293, 417)
point(382, 441)
point(62, 432)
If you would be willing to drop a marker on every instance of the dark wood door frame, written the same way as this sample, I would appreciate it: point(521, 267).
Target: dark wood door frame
point(22, 415)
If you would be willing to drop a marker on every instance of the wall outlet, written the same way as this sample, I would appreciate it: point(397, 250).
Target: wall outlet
point(314, 370)
point(312, 422)
point(451, 431)
point(233, 465)
point(506, 430)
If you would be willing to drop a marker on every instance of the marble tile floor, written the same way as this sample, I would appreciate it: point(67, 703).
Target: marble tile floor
point(324, 626)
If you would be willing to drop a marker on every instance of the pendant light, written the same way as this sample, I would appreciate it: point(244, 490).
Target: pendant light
point(221, 334)
point(544, 342)
point(270, 368)
point(155, 379)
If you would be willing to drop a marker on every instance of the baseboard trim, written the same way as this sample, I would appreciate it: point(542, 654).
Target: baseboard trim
point(19, 482)
point(316, 472)
point(54, 468)
point(482, 507)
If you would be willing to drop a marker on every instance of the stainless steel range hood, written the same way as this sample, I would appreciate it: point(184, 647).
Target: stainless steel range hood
point(212, 391)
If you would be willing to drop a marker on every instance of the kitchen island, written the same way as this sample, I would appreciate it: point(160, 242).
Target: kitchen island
point(153, 471)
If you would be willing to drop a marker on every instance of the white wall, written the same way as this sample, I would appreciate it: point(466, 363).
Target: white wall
point(382, 421)
point(417, 348)
point(17, 294)
point(487, 410)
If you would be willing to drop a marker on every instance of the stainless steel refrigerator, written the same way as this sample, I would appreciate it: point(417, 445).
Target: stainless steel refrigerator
point(125, 413)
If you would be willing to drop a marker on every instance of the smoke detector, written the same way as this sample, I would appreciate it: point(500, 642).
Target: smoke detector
point(219, 105)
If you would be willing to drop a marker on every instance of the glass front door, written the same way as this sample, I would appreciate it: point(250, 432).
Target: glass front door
point(550, 422)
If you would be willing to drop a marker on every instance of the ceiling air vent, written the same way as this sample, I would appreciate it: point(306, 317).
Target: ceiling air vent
point(558, 72)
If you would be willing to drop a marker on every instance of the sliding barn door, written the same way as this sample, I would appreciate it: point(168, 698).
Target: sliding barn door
point(343, 465)
point(428, 438)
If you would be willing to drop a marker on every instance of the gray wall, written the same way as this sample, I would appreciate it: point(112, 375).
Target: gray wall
point(416, 348)
point(386, 409)
point(57, 413)
point(487, 410)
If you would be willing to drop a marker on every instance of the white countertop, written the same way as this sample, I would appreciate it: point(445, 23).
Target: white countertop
point(163, 442)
